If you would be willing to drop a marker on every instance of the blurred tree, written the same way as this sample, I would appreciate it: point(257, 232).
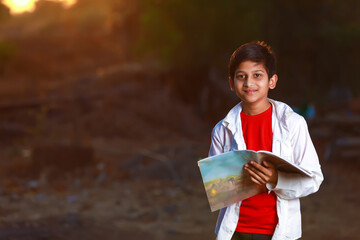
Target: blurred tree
point(4, 12)
point(316, 41)
point(194, 39)
point(317, 45)
point(7, 48)
point(196, 33)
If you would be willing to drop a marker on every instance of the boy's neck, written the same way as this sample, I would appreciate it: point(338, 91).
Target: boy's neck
point(255, 109)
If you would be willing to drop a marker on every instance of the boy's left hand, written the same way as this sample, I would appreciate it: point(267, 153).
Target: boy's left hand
point(262, 174)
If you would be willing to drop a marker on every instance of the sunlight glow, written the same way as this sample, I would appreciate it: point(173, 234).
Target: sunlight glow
point(20, 6)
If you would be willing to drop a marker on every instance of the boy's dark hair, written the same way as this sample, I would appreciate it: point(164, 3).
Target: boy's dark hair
point(255, 51)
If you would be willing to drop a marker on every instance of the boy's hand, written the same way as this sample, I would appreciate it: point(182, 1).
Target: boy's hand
point(262, 174)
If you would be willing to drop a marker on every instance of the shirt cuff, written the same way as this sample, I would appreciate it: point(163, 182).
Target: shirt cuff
point(270, 187)
point(283, 181)
point(280, 182)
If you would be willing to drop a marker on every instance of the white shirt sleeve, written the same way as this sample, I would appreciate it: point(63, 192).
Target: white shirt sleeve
point(217, 138)
point(293, 185)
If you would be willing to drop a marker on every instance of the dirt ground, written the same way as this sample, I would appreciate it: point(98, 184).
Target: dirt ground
point(158, 207)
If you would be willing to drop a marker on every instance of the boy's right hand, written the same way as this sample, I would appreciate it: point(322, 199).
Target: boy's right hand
point(262, 174)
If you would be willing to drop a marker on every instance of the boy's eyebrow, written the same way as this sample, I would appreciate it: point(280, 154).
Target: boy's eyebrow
point(257, 70)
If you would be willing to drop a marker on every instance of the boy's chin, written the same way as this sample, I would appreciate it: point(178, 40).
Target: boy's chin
point(253, 100)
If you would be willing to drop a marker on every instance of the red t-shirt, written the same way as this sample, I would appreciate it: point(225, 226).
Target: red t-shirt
point(258, 213)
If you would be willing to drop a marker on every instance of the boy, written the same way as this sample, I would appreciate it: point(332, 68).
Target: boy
point(259, 123)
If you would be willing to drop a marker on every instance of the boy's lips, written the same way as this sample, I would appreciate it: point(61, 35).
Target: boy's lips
point(250, 91)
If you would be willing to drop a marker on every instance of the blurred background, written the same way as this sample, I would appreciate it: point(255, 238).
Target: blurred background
point(106, 106)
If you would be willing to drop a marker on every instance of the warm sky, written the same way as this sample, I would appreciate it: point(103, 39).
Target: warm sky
point(19, 6)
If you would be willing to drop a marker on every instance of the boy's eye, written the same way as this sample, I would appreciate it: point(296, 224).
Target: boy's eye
point(256, 75)
point(240, 76)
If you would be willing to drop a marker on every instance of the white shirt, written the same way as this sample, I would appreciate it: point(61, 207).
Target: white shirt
point(291, 141)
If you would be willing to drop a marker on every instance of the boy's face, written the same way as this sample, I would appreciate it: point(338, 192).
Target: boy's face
point(251, 83)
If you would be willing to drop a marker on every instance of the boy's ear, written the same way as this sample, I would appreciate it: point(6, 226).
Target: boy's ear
point(273, 81)
point(231, 82)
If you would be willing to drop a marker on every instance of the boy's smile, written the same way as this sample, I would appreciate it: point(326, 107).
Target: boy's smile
point(251, 84)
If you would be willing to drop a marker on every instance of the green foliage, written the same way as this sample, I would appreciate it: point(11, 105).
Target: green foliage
point(195, 32)
point(317, 43)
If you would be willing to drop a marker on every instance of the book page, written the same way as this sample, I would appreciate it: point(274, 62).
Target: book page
point(281, 164)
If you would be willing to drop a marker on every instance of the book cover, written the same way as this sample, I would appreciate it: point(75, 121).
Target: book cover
point(226, 182)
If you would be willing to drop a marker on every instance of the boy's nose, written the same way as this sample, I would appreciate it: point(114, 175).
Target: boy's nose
point(248, 81)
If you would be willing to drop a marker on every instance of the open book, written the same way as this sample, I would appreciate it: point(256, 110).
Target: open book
point(225, 180)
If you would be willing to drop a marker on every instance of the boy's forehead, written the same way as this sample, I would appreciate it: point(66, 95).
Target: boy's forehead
point(250, 64)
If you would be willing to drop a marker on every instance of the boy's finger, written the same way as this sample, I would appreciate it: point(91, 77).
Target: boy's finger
point(256, 181)
point(262, 169)
point(256, 175)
